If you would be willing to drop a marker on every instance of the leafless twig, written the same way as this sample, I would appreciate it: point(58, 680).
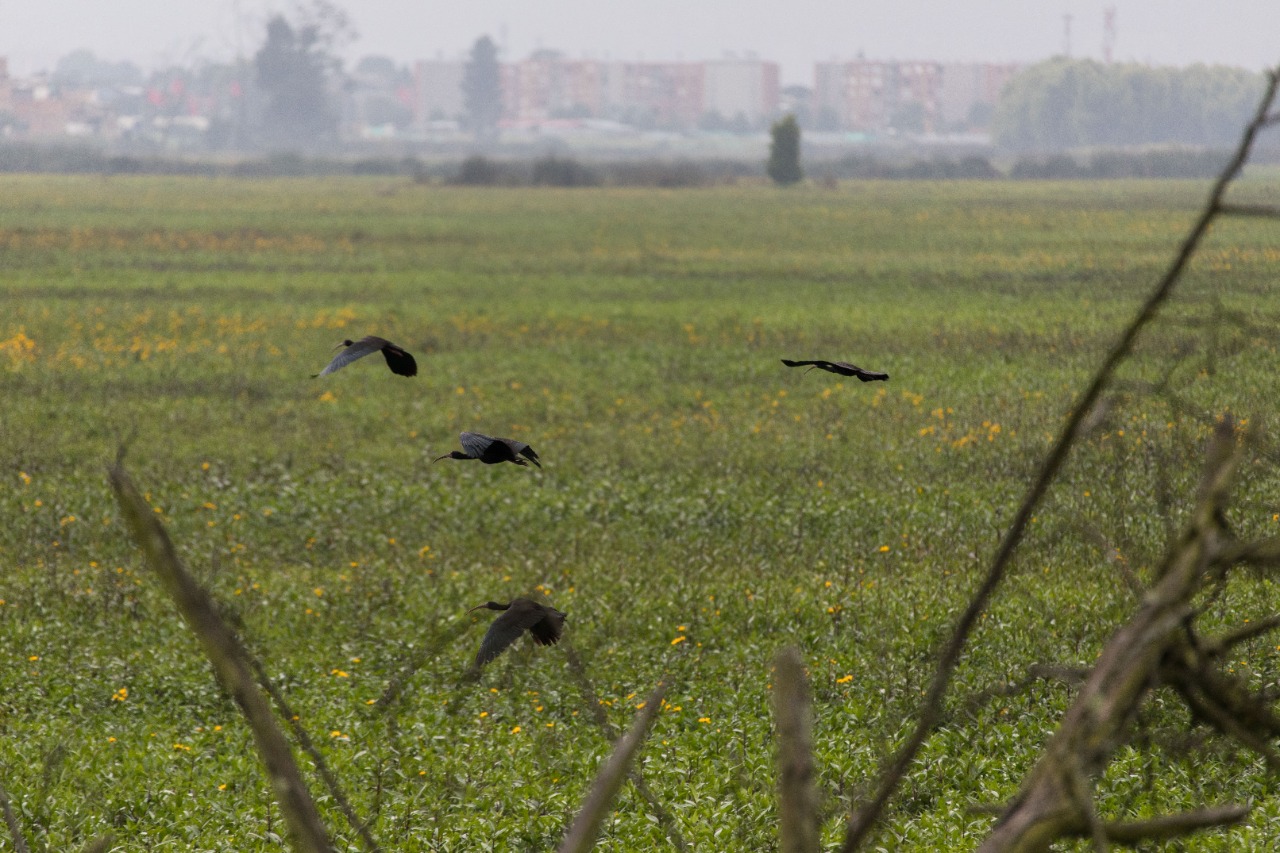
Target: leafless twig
point(798, 800)
point(230, 664)
point(308, 746)
point(1263, 210)
point(895, 770)
point(593, 704)
point(11, 820)
point(586, 826)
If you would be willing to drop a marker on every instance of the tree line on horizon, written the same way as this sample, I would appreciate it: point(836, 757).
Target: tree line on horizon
point(1077, 103)
point(288, 95)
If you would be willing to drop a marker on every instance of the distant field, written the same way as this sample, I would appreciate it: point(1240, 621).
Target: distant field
point(700, 505)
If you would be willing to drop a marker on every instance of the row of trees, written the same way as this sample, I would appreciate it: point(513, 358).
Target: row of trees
point(298, 69)
point(1064, 103)
point(286, 95)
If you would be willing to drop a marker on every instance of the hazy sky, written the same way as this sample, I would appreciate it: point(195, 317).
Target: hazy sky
point(795, 33)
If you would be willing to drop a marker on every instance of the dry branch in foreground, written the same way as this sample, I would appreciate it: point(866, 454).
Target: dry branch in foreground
point(230, 664)
point(1155, 647)
point(797, 797)
point(865, 817)
point(11, 820)
point(589, 698)
point(582, 834)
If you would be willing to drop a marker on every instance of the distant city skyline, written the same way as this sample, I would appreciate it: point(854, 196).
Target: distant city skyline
point(796, 34)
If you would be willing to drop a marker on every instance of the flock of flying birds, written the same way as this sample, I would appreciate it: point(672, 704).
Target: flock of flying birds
point(543, 622)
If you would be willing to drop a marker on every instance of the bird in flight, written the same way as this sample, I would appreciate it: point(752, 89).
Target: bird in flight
point(843, 368)
point(491, 450)
point(543, 622)
point(400, 362)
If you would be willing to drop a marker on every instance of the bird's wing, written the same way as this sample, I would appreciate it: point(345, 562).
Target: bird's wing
point(870, 375)
point(818, 363)
point(400, 362)
point(500, 635)
point(505, 630)
point(358, 349)
point(523, 449)
point(474, 443)
point(546, 631)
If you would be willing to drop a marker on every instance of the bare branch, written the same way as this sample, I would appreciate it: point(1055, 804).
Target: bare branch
point(894, 771)
point(664, 817)
point(1067, 675)
point(1050, 802)
point(1210, 712)
point(1077, 786)
point(1220, 645)
point(1176, 825)
point(797, 798)
point(11, 820)
point(224, 651)
point(1265, 553)
point(586, 826)
point(1263, 210)
point(304, 740)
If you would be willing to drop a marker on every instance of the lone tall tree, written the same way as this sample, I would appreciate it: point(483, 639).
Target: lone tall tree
point(784, 152)
point(482, 90)
point(293, 70)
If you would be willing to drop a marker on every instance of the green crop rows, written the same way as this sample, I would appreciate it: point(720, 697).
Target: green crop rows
point(700, 505)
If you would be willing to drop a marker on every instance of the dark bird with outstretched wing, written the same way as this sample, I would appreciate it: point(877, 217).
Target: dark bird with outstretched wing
point(490, 450)
point(843, 368)
point(400, 362)
point(543, 622)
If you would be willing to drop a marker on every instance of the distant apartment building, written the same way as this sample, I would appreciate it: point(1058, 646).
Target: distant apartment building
point(673, 95)
point(741, 89)
point(661, 94)
point(968, 89)
point(875, 96)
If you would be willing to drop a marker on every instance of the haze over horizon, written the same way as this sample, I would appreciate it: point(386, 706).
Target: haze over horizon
point(158, 33)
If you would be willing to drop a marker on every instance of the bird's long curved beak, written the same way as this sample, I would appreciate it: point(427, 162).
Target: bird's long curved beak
point(338, 345)
point(438, 458)
point(477, 607)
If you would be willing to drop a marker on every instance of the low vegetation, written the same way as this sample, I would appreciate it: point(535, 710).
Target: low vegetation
point(700, 505)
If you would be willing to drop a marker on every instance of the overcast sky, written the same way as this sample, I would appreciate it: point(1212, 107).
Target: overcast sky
point(794, 33)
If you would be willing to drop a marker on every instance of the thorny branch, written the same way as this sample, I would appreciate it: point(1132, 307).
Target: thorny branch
point(1054, 799)
point(867, 816)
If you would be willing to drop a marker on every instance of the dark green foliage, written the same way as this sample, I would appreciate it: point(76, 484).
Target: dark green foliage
point(1065, 103)
point(553, 171)
point(784, 152)
point(480, 171)
point(693, 488)
point(662, 173)
point(293, 67)
point(1162, 163)
point(482, 90)
point(967, 167)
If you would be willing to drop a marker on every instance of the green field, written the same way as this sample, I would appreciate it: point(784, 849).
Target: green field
point(700, 505)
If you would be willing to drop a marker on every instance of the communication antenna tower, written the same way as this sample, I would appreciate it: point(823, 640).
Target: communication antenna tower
point(1066, 35)
point(1108, 32)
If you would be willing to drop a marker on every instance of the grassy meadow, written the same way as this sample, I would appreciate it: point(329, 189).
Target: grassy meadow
point(700, 505)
